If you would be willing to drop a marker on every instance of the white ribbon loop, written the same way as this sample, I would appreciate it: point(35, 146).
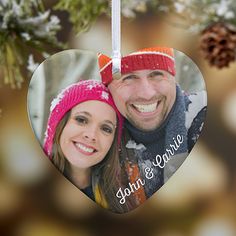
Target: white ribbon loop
point(116, 29)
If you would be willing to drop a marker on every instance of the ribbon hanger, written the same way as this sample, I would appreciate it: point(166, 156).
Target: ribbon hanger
point(116, 29)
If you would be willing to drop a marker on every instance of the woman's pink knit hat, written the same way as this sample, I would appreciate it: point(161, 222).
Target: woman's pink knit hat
point(71, 96)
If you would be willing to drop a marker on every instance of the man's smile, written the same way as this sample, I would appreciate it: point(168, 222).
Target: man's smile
point(145, 108)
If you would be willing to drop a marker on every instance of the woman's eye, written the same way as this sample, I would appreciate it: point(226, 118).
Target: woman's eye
point(107, 129)
point(81, 119)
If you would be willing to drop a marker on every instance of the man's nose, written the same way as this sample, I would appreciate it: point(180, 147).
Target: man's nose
point(146, 89)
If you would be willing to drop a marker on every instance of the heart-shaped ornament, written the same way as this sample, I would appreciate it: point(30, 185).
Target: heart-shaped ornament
point(118, 138)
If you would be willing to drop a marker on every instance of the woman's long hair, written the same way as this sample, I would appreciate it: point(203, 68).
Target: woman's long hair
point(107, 175)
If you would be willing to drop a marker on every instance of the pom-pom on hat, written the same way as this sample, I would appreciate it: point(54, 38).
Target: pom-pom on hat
point(160, 58)
point(71, 96)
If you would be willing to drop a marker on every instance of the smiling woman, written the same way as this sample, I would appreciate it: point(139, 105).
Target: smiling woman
point(82, 137)
point(79, 127)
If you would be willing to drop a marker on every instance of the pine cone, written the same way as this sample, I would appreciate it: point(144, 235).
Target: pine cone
point(218, 44)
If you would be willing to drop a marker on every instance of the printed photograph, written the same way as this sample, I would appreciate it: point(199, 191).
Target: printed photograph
point(118, 138)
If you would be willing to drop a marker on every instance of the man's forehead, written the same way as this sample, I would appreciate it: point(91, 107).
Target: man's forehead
point(146, 71)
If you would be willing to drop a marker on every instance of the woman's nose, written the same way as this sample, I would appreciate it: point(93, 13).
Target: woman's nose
point(90, 134)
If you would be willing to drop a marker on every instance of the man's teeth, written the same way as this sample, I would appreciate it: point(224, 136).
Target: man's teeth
point(146, 108)
point(86, 149)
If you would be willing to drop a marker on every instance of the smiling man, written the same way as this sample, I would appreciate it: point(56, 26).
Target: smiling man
point(162, 123)
point(144, 97)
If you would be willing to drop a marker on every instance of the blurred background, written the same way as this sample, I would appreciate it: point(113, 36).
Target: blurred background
point(199, 200)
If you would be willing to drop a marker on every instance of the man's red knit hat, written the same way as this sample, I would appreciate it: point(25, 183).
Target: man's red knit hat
point(160, 58)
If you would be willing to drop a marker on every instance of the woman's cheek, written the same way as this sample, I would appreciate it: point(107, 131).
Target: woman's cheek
point(109, 141)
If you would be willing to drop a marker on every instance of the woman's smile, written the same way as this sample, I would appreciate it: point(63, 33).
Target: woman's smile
point(85, 149)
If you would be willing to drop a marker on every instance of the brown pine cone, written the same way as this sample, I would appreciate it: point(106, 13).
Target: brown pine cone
point(218, 44)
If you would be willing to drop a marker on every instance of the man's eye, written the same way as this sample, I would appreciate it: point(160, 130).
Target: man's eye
point(129, 77)
point(81, 120)
point(156, 74)
point(107, 129)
